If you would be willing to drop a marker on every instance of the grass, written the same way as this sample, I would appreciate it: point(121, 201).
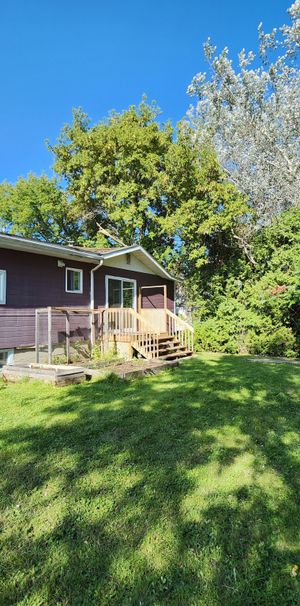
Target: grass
point(180, 489)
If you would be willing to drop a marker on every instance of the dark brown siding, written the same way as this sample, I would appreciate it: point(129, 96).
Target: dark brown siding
point(36, 281)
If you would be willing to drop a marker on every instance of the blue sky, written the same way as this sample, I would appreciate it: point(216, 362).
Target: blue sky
point(55, 55)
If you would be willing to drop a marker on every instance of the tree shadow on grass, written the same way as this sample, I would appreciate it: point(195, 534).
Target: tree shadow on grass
point(176, 489)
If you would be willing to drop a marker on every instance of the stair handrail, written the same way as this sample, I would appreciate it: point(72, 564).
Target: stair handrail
point(180, 329)
point(179, 320)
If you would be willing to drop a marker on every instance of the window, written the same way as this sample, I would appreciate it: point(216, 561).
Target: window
point(74, 280)
point(2, 286)
point(6, 356)
point(120, 292)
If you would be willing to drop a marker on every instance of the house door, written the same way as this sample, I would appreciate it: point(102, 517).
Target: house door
point(121, 294)
point(153, 305)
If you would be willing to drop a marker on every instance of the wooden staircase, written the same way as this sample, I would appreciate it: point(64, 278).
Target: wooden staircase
point(128, 325)
point(170, 348)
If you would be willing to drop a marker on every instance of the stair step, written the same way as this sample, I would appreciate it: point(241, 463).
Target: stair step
point(162, 344)
point(178, 354)
point(165, 350)
point(169, 344)
point(163, 338)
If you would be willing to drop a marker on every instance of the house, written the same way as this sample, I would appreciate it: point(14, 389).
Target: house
point(53, 297)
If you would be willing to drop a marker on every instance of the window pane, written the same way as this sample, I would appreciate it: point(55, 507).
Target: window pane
point(76, 280)
point(114, 293)
point(128, 294)
point(69, 280)
point(6, 357)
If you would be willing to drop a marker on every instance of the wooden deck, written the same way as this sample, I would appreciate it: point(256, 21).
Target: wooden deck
point(170, 339)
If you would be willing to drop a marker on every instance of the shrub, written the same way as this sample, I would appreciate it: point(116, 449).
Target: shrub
point(279, 342)
point(211, 335)
point(239, 329)
point(99, 357)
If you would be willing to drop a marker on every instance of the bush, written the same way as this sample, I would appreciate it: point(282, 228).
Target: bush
point(227, 331)
point(238, 329)
point(222, 336)
point(211, 335)
point(279, 342)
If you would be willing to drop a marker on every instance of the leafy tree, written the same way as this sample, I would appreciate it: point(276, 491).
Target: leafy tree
point(252, 113)
point(208, 224)
point(36, 208)
point(119, 173)
point(259, 311)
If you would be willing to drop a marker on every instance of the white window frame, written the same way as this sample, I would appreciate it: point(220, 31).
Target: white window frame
point(3, 291)
point(121, 279)
point(80, 271)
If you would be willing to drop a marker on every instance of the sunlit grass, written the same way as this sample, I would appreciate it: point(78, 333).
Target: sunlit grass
point(180, 489)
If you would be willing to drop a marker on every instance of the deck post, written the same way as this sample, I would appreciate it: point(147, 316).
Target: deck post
point(49, 311)
point(106, 330)
point(93, 330)
point(68, 337)
point(165, 306)
point(37, 337)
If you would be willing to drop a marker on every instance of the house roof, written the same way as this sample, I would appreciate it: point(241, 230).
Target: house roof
point(87, 255)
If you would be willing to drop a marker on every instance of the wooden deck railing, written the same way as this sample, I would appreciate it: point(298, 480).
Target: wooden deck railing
point(125, 324)
point(120, 324)
point(181, 330)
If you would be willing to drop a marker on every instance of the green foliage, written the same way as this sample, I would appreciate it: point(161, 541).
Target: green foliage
point(99, 241)
point(130, 175)
point(36, 208)
point(207, 220)
point(59, 359)
point(119, 173)
point(227, 330)
point(99, 357)
point(96, 353)
point(278, 341)
point(262, 314)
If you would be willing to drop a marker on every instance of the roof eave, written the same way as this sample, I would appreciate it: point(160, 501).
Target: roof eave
point(52, 250)
point(56, 250)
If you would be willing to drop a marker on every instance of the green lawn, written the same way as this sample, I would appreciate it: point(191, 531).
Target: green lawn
point(180, 489)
